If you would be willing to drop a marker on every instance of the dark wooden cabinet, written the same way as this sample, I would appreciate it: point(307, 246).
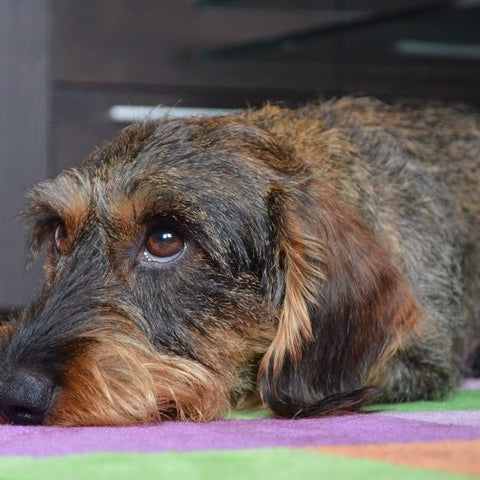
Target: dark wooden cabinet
point(121, 52)
point(233, 53)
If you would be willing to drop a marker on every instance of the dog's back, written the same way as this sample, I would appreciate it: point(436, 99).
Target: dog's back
point(443, 142)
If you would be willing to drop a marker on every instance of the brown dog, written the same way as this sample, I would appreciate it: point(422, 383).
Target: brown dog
point(297, 257)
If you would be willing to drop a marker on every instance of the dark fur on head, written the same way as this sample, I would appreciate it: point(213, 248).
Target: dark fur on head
point(328, 253)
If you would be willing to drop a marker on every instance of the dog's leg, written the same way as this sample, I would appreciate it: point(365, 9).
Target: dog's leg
point(424, 369)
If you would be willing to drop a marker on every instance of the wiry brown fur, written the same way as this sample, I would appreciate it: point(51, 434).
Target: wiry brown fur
point(330, 250)
point(129, 382)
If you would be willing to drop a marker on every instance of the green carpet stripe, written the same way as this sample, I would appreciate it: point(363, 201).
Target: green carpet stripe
point(280, 464)
point(459, 400)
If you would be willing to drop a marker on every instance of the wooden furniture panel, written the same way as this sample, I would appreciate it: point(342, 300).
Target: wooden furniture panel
point(24, 124)
point(148, 42)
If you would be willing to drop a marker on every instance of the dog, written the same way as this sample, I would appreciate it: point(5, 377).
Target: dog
point(307, 260)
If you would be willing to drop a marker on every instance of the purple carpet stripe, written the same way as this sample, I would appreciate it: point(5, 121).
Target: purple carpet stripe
point(471, 384)
point(227, 434)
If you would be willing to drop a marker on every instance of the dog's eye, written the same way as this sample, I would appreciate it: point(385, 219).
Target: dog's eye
point(61, 238)
point(163, 245)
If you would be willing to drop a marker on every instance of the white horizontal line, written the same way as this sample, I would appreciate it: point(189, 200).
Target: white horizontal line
point(133, 113)
point(419, 48)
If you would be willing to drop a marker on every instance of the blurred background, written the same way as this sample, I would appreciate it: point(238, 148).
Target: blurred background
point(72, 73)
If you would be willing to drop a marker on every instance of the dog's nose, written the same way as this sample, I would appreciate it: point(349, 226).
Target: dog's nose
point(25, 398)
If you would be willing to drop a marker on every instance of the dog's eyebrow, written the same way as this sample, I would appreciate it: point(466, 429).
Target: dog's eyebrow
point(148, 200)
point(66, 198)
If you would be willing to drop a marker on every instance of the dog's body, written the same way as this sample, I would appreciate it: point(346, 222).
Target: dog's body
point(299, 257)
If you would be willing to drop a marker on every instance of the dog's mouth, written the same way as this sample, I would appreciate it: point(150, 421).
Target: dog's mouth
point(18, 415)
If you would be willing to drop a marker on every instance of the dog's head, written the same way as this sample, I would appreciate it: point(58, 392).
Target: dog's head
point(191, 263)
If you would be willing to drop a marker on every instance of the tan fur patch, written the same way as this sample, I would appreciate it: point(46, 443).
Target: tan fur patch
point(68, 195)
point(301, 279)
point(122, 380)
point(5, 330)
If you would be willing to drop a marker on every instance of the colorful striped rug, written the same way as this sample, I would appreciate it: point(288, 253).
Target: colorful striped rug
point(420, 440)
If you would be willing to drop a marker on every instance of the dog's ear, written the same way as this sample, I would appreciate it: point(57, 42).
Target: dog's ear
point(343, 306)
